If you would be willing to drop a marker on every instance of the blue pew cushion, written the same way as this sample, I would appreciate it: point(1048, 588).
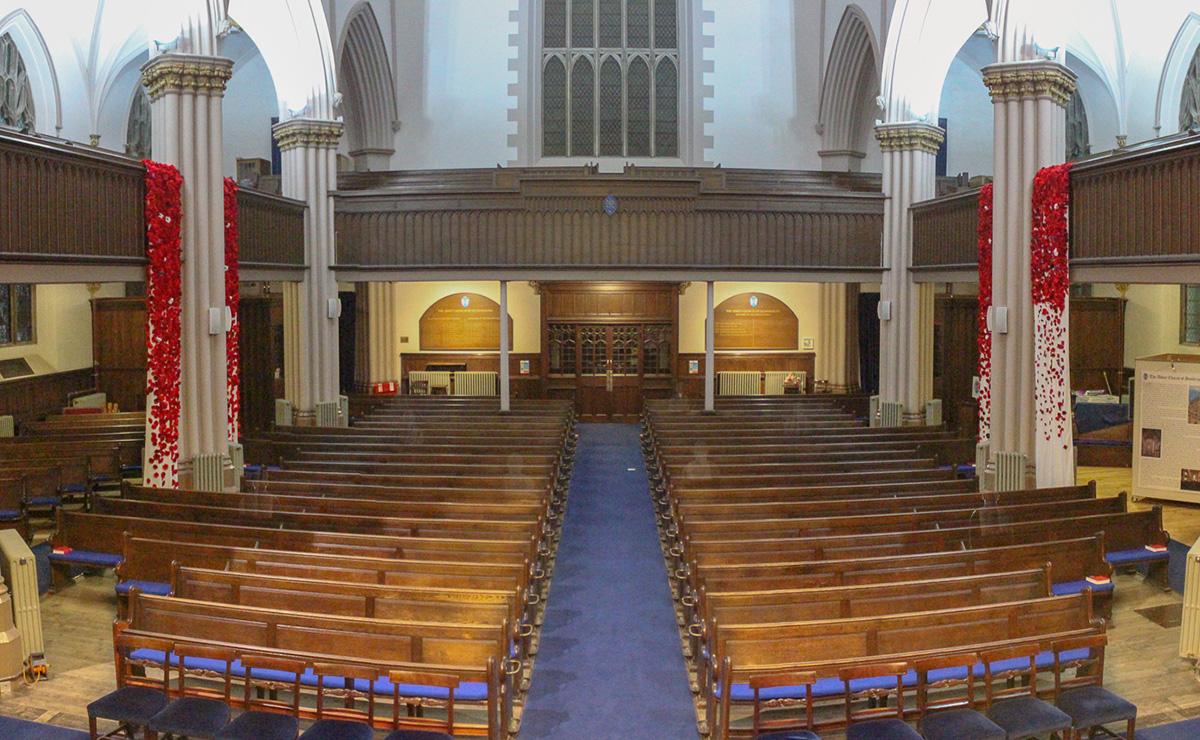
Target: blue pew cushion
point(1140, 555)
point(192, 717)
point(132, 704)
point(73, 488)
point(789, 735)
point(953, 724)
point(1067, 588)
point(417, 735)
point(45, 501)
point(882, 729)
point(1095, 705)
point(10, 514)
point(85, 557)
point(338, 729)
point(1026, 716)
point(259, 725)
point(156, 588)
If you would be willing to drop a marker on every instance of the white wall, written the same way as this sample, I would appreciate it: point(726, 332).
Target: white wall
point(1151, 320)
point(249, 105)
point(967, 108)
point(63, 326)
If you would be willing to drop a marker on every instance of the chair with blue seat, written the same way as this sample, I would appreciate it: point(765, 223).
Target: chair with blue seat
point(876, 721)
point(1016, 707)
point(952, 715)
point(265, 717)
point(1083, 696)
point(198, 713)
point(348, 722)
point(773, 729)
point(137, 698)
point(437, 729)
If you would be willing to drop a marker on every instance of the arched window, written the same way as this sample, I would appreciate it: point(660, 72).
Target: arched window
point(16, 94)
point(137, 132)
point(1079, 144)
point(1189, 101)
point(610, 77)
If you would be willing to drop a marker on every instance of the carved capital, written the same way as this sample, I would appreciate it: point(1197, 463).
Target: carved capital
point(305, 132)
point(186, 73)
point(1027, 80)
point(895, 137)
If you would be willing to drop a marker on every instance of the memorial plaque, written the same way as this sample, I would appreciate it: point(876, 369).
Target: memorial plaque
point(754, 321)
point(463, 321)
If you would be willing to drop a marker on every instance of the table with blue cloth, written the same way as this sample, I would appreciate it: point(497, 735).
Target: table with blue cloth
point(1090, 417)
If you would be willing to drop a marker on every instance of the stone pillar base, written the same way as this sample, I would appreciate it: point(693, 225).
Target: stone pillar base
point(912, 419)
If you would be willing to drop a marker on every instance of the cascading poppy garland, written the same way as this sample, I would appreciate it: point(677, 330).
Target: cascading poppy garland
point(163, 212)
point(232, 355)
point(1051, 282)
point(985, 302)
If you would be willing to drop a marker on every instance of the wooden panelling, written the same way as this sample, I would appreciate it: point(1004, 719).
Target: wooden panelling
point(521, 386)
point(270, 230)
point(605, 302)
point(1138, 204)
point(1097, 344)
point(665, 217)
point(257, 364)
point(31, 399)
point(945, 231)
point(462, 321)
point(956, 360)
point(692, 385)
point(119, 350)
point(69, 203)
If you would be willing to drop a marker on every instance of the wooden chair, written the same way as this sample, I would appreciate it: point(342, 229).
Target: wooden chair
point(1017, 707)
point(1083, 696)
point(775, 729)
point(138, 698)
point(877, 721)
point(951, 717)
point(198, 713)
point(438, 730)
point(267, 718)
point(347, 722)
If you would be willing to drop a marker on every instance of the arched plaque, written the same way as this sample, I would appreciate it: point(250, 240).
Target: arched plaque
point(463, 321)
point(755, 321)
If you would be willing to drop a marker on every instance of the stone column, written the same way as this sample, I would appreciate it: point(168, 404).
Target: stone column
point(186, 95)
point(906, 338)
point(831, 348)
point(383, 354)
point(1029, 104)
point(309, 150)
point(710, 341)
point(505, 384)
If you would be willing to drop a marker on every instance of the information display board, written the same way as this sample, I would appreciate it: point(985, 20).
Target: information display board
point(1166, 428)
point(754, 321)
point(463, 321)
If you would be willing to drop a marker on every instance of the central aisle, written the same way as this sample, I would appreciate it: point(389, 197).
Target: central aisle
point(609, 663)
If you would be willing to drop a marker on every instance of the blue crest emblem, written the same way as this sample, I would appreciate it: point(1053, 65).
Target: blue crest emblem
point(753, 301)
point(465, 301)
point(610, 205)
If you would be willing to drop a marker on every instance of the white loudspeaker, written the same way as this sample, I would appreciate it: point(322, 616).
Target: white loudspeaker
point(216, 320)
point(335, 308)
point(885, 311)
point(228, 319)
point(997, 319)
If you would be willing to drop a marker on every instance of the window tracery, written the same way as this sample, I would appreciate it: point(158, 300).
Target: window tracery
point(1189, 101)
point(16, 99)
point(137, 131)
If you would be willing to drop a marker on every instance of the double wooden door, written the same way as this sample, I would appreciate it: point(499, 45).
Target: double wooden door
point(610, 379)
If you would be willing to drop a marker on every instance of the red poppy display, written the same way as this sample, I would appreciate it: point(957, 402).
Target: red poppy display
point(985, 302)
point(232, 355)
point(163, 211)
point(1051, 280)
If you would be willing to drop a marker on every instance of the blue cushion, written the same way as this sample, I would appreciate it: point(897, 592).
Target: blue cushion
point(960, 724)
point(464, 692)
point(882, 729)
point(1140, 555)
point(338, 729)
point(788, 735)
point(258, 725)
point(1026, 717)
point(417, 735)
point(44, 501)
point(103, 477)
point(10, 514)
point(1093, 705)
point(129, 704)
point(191, 716)
point(85, 557)
point(156, 588)
point(73, 488)
point(1066, 588)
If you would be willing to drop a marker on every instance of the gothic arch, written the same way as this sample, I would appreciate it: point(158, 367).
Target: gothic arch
point(39, 65)
point(293, 37)
point(1175, 69)
point(923, 38)
point(848, 92)
point(365, 77)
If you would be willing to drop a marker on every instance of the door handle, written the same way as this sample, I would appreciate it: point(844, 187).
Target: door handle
point(608, 378)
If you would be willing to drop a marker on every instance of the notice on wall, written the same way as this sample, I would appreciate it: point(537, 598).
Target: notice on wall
point(754, 321)
point(1166, 441)
point(463, 321)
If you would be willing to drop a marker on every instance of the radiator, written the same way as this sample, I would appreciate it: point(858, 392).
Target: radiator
point(773, 383)
point(7, 427)
point(1010, 471)
point(1189, 634)
point(474, 383)
point(90, 401)
point(328, 413)
point(873, 411)
point(933, 413)
point(890, 414)
point(344, 407)
point(438, 379)
point(208, 473)
point(20, 572)
point(739, 383)
point(283, 412)
point(237, 455)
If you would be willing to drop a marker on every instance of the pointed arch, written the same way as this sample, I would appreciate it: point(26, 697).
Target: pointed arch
point(848, 92)
point(39, 65)
point(554, 107)
point(583, 108)
point(293, 37)
point(1175, 69)
point(369, 91)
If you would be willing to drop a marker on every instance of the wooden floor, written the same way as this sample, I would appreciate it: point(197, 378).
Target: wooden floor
point(1142, 665)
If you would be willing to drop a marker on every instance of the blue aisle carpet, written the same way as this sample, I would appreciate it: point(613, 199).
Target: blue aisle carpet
point(19, 729)
point(609, 663)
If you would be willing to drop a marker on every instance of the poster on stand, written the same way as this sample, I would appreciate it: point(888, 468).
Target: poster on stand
point(1166, 428)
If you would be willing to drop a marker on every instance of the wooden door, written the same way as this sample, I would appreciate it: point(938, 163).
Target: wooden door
point(119, 350)
point(610, 381)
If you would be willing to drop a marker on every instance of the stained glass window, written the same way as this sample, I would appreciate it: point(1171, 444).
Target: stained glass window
point(562, 349)
point(638, 108)
point(1189, 315)
point(1078, 142)
point(611, 138)
point(625, 350)
point(666, 110)
point(656, 349)
point(583, 109)
point(554, 35)
point(16, 313)
point(16, 94)
point(1189, 99)
point(554, 107)
point(637, 24)
point(664, 24)
point(610, 24)
point(583, 24)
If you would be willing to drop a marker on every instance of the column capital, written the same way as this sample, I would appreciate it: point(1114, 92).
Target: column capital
point(307, 132)
point(1040, 78)
point(909, 135)
point(173, 72)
